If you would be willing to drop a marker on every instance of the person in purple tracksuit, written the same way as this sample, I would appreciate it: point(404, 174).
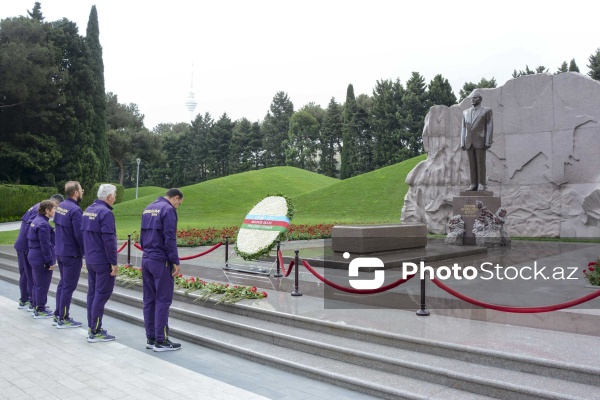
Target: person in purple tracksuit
point(160, 263)
point(22, 248)
point(69, 252)
point(41, 257)
point(100, 246)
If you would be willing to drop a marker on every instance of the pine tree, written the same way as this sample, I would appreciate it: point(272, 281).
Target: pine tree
point(302, 141)
point(386, 122)
point(98, 94)
point(414, 108)
point(440, 92)
point(573, 66)
point(36, 13)
point(468, 87)
point(594, 65)
point(275, 129)
point(564, 67)
point(330, 139)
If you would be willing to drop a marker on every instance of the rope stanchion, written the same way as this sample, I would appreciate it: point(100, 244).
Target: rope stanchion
point(352, 290)
point(137, 246)
point(423, 311)
point(296, 291)
point(121, 248)
point(216, 246)
point(128, 249)
point(278, 273)
point(522, 310)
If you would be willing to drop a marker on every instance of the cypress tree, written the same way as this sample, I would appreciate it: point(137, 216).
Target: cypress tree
point(350, 133)
point(98, 127)
point(572, 66)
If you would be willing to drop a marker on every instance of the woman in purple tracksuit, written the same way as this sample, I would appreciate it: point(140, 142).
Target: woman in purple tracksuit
point(41, 257)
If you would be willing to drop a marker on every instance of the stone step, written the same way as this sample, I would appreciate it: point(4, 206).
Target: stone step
point(480, 379)
point(517, 361)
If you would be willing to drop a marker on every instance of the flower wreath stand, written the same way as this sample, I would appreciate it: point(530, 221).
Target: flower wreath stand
point(267, 222)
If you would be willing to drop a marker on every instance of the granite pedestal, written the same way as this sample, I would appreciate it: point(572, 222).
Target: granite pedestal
point(466, 206)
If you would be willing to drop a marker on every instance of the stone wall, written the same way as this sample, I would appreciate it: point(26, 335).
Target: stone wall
point(544, 162)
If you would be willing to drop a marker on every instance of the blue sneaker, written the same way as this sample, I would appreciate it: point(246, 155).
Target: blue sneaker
point(166, 345)
point(40, 314)
point(150, 344)
point(54, 320)
point(99, 336)
point(23, 305)
point(68, 323)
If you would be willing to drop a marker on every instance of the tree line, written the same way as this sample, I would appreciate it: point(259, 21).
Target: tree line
point(57, 123)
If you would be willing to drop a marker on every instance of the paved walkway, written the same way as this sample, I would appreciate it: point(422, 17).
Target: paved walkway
point(41, 362)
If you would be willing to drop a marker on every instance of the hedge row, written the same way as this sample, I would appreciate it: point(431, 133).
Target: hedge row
point(17, 199)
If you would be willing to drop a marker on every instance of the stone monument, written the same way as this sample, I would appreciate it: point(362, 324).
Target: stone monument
point(544, 163)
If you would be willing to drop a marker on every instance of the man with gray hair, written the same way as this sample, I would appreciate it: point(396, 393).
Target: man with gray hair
point(100, 247)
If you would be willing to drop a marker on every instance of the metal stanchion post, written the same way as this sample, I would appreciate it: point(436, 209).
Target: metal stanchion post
point(226, 251)
point(296, 292)
point(278, 274)
point(128, 249)
point(423, 312)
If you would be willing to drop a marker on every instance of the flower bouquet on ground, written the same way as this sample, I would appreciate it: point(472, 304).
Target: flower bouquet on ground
point(592, 273)
point(229, 294)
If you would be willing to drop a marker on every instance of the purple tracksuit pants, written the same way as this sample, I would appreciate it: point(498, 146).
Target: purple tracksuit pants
point(42, 277)
point(158, 285)
point(70, 269)
point(25, 278)
point(100, 287)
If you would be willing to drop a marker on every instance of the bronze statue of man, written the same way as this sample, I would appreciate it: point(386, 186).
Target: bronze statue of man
point(476, 138)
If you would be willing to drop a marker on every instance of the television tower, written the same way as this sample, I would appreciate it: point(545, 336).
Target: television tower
point(191, 102)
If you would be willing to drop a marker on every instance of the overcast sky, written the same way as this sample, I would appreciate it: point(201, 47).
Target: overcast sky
point(244, 51)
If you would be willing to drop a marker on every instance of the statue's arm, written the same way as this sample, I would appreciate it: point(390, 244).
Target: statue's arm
point(463, 133)
point(489, 131)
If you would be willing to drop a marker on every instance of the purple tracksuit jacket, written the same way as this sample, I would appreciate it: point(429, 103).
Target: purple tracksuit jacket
point(99, 234)
point(41, 242)
point(159, 232)
point(21, 243)
point(69, 238)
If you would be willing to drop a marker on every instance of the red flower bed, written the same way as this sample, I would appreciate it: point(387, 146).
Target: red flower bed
point(211, 236)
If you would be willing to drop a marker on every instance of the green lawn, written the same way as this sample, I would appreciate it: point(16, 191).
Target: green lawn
point(143, 191)
point(376, 196)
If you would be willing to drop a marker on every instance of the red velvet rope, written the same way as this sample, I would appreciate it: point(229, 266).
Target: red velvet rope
point(522, 310)
point(122, 247)
point(216, 246)
point(352, 290)
point(282, 265)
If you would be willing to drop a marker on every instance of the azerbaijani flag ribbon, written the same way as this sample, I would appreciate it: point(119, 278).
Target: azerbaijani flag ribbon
point(267, 222)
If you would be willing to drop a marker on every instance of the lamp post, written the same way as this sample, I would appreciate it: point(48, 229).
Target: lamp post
point(137, 179)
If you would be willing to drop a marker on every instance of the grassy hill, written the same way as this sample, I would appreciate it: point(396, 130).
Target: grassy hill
point(376, 196)
point(225, 201)
point(143, 191)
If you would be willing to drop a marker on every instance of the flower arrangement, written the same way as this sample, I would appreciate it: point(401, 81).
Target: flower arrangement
point(131, 276)
point(229, 294)
point(267, 222)
point(592, 272)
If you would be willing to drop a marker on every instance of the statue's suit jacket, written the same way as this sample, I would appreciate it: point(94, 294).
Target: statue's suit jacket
point(477, 128)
